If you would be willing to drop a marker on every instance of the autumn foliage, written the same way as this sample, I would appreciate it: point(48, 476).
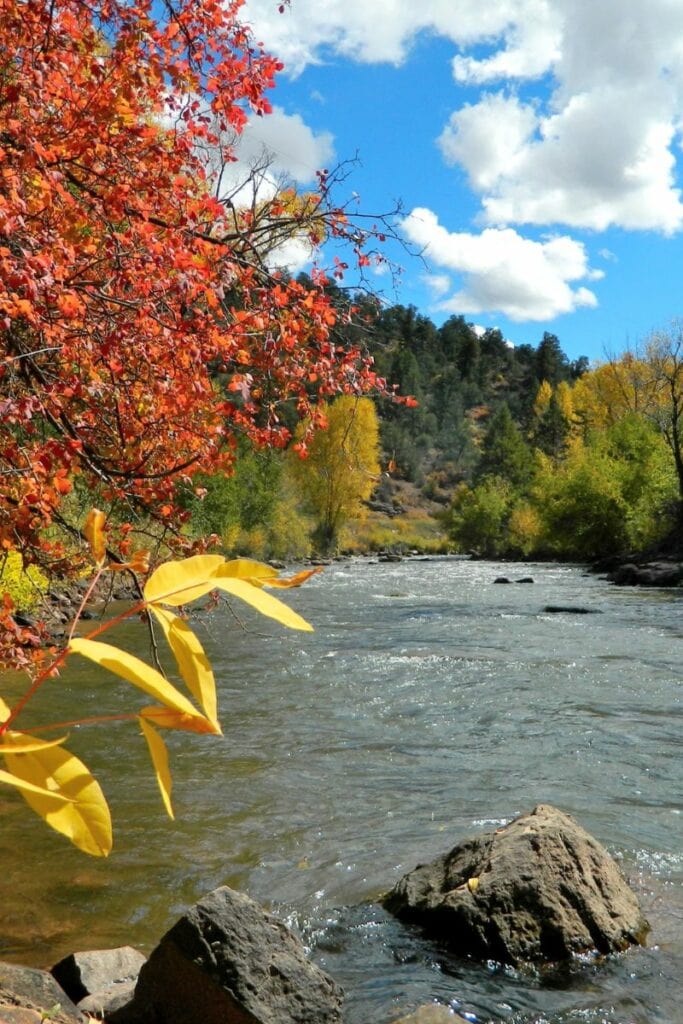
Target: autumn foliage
point(142, 329)
point(55, 783)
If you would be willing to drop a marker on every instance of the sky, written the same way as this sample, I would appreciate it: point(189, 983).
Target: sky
point(534, 147)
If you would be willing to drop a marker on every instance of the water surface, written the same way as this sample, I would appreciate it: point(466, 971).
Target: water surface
point(430, 704)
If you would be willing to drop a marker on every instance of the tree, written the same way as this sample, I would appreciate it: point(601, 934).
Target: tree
point(477, 518)
point(581, 506)
point(142, 329)
point(341, 468)
point(552, 428)
point(551, 363)
point(647, 381)
point(503, 452)
point(663, 357)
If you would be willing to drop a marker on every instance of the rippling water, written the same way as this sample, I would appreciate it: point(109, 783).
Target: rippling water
point(429, 704)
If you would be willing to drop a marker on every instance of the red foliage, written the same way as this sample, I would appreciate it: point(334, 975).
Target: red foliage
point(140, 332)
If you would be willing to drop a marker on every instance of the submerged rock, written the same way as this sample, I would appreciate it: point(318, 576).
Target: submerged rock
point(228, 962)
point(567, 609)
point(432, 1013)
point(540, 889)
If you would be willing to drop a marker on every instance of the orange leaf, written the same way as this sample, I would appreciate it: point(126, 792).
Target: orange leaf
point(94, 534)
point(291, 581)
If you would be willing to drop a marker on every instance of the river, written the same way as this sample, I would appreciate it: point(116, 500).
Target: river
point(430, 704)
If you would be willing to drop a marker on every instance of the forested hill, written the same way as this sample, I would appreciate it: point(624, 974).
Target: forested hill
point(460, 377)
point(527, 452)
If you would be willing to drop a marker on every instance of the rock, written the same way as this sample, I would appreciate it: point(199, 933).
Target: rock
point(432, 1013)
point(228, 962)
point(104, 1003)
point(559, 609)
point(525, 579)
point(502, 579)
point(100, 980)
point(20, 1015)
point(540, 889)
point(651, 574)
point(26, 991)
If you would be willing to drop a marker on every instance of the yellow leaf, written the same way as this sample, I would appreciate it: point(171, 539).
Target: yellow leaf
point(167, 719)
point(159, 755)
point(4, 711)
point(473, 884)
point(180, 582)
point(262, 602)
point(247, 569)
point(85, 818)
point(292, 581)
point(22, 743)
point(134, 671)
point(12, 780)
point(193, 663)
point(94, 534)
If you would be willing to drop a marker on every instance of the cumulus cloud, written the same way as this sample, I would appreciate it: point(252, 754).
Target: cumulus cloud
point(597, 147)
point(286, 144)
point(502, 271)
point(572, 118)
point(600, 151)
point(382, 31)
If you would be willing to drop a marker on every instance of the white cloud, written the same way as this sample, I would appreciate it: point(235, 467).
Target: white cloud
point(504, 272)
point(291, 147)
point(438, 284)
point(599, 151)
point(597, 147)
point(488, 139)
point(531, 38)
point(381, 31)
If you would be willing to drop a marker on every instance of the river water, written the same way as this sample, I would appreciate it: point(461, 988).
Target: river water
point(430, 704)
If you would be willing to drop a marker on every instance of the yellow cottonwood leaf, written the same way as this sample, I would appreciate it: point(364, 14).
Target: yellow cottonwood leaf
point(473, 884)
point(4, 711)
point(261, 601)
point(84, 818)
point(134, 671)
point(48, 794)
point(159, 755)
point(192, 662)
point(247, 569)
point(166, 718)
point(180, 582)
point(23, 743)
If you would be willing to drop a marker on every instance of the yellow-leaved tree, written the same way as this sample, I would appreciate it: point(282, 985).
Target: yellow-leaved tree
point(342, 466)
point(54, 782)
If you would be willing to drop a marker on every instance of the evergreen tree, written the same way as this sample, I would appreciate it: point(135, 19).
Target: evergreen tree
point(504, 452)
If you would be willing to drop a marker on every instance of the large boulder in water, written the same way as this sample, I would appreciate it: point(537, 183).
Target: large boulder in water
point(540, 889)
point(226, 961)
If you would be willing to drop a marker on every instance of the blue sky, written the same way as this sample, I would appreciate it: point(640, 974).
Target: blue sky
point(534, 145)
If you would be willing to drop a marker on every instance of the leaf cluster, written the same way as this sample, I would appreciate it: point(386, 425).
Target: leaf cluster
point(56, 784)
